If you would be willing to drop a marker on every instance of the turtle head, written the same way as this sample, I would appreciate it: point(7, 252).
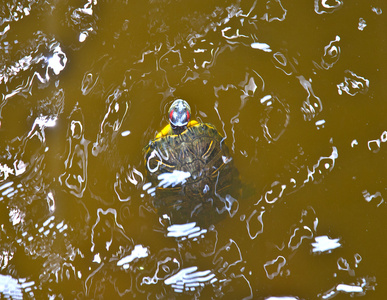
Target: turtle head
point(179, 115)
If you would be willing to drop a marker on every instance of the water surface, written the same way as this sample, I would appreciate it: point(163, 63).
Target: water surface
point(295, 88)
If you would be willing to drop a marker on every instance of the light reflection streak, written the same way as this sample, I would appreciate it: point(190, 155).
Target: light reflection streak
point(16, 216)
point(227, 256)
point(353, 84)
point(318, 168)
point(253, 222)
point(173, 179)
point(275, 112)
point(377, 10)
point(16, 12)
point(42, 122)
point(189, 279)
point(261, 46)
point(249, 86)
point(299, 234)
point(325, 244)
point(275, 11)
point(320, 124)
point(281, 62)
point(165, 269)
point(5, 171)
point(220, 119)
point(124, 180)
point(305, 229)
point(362, 24)
point(277, 190)
point(234, 35)
point(42, 66)
point(76, 163)
point(374, 145)
point(230, 204)
point(138, 252)
point(234, 120)
point(369, 197)
point(118, 107)
point(312, 106)
point(100, 214)
point(12, 288)
point(81, 14)
point(359, 288)
point(91, 77)
point(331, 54)
point(184, 231)
point(277, 265)
point(343, 265)
point(324, 6)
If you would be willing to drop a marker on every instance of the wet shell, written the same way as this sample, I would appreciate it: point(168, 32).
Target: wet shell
point(201, 153)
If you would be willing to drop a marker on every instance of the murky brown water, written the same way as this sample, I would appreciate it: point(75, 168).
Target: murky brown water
point(296, 88)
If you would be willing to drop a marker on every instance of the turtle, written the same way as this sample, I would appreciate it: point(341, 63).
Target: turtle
point(191, 170)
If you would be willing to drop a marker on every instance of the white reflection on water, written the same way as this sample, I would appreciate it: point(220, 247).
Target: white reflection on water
point(331, 54)
point(165, 267)
point(375, 144)
point(166, 179)
point(76, 163)
point(261, 46)
point(189, 230)
point(324, 6)
point(173, 179)
point(139, 251)
point(11, 288)
point(189, 279)
point(276, 112)
point(58, 60)
point(274, 267)
point(324, 244)
point(325, 164)
point(116, 111)
point(5, 171)
point(362, 24)
point(220, 119)
point(281, 62)
point(377, 10)
point(359, 288)
point(320, 124)
point(353, 84)
point(125, 180)
point(16, 216)
point(375, 198)
point(83, 13)
point(38, 64)
point(312, 106)
point(254, 224)
point(299, 234)
point(231, 205)
point(275, 11)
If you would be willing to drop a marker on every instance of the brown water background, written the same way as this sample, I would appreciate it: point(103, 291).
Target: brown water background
point(297, 88)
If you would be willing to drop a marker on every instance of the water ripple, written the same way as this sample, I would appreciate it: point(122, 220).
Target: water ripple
point(324, 6)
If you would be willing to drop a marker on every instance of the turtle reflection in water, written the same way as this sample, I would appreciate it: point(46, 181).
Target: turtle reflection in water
point(190, 167)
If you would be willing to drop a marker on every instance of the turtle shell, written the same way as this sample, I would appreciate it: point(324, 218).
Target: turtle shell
point(199, 170)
